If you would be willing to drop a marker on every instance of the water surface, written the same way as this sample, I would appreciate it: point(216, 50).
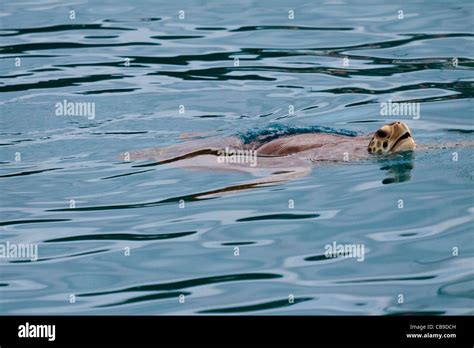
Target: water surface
point(190, 251)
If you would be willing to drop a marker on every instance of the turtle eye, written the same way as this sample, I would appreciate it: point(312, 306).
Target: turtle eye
point(381, 133)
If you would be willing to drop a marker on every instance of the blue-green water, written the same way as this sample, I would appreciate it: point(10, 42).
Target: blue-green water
point(48, 160)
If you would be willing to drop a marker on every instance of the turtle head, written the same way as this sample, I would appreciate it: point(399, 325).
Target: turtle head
point(392, 138)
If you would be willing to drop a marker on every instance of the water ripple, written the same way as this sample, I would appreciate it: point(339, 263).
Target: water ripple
point(329, 67)
point(183, 284)
point(122, 236)
point(259, 307)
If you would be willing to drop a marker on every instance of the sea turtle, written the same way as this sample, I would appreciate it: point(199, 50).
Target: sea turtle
point(277, 155)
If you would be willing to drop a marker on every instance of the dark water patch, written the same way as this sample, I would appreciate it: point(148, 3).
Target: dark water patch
point(323, 257)
point(87, 125)
point(266, 115)
point(27, 56)
point(380, 280)
point(317, 258)
point(121, 236)
point(63, 27)
point(290, 86)
point(237, 243)
point(364, 121)
point(288, 27)
point(21, 141)
point(102, 91)
point(437, 260)
point(394, 43)
point(281, 172)
point(209, 116)
point(13, 76)
point(218, 74)
point(417, 313)
point(30, 172)
point(310, 108)
point(210, 28)
point(124, 132)
point(58, 83)
point(61, 257)
point(461, 131)
point(408, 234)
point(119, 64)
point(259, 307)
point(187, 59)
point(148, 19)
point(36, 221)
point(279, 217)
point(39, 46)
point(177, 37)
point(191, 283)
point(101, 37)
point(46, 69)
point(464, 87)
point(147, 298)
